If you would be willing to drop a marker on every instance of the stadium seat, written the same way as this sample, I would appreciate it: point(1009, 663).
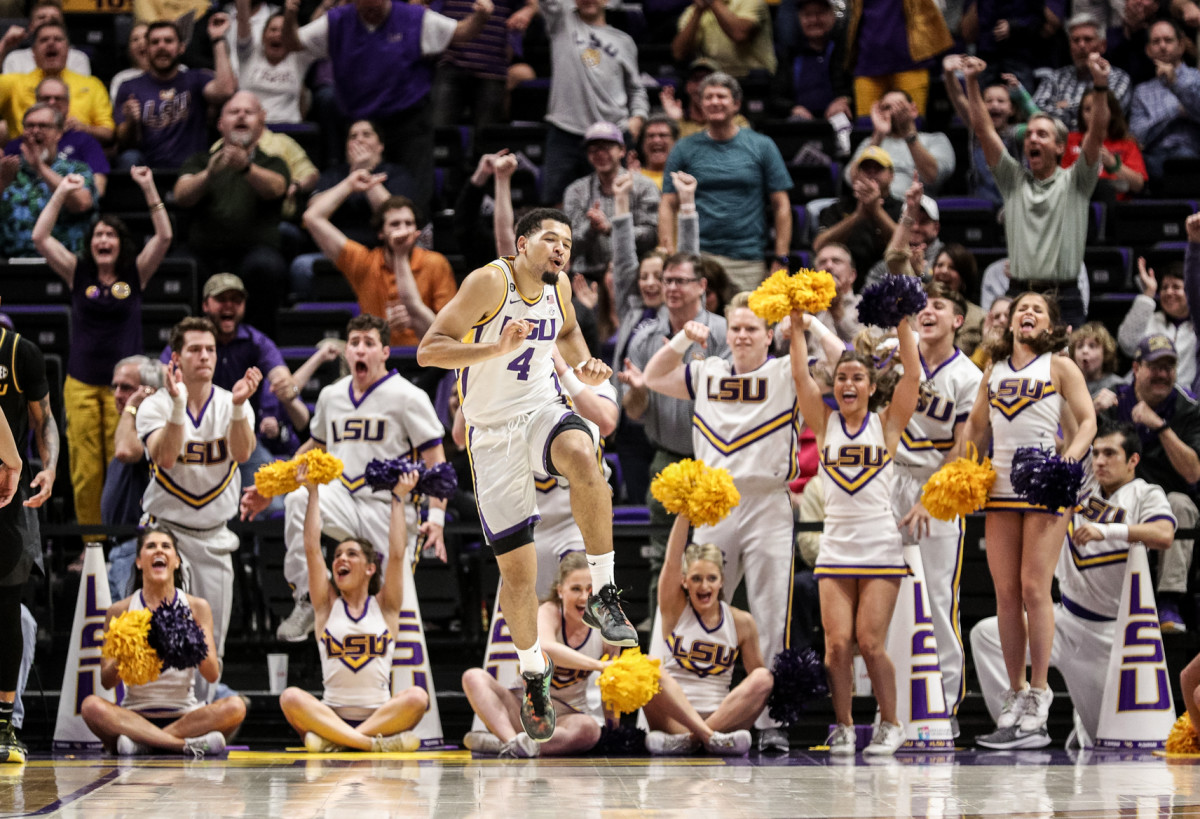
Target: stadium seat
point(968, 221)
point(1109, 308)
point(1108, 268)
point(31, 281)
point(793, 137)
point(47, 325)
point(525, 139)
point(174, 282)
point(329, 284)
point(157, 321)
point(309, 324)
point(811, 182)
point(1181, 178)
point(308, 136)
point(1150, 220)
point(985, 256)
point(1163, 255)
point(528, 101)
point(124, 195)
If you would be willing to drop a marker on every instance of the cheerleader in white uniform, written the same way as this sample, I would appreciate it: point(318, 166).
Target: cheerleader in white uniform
point(356, 626)
point(163, 715)
point(861, 558)
point(1021, 401)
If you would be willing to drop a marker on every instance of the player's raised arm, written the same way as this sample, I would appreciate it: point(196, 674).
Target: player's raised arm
point(480, 296)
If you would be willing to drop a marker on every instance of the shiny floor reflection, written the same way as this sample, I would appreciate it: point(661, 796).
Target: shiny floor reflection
point(454, 785)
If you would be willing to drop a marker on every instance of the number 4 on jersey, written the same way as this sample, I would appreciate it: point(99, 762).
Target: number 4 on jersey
point(520, 364)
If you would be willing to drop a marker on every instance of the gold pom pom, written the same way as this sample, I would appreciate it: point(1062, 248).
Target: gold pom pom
point(812, 290)
point(809, 290)
point(1182, 739)
point(322, 467)
point(693, 488)
point(276, 478)
point(959, 487)
point(629, 682)
point(772, 300)
point(126, 642)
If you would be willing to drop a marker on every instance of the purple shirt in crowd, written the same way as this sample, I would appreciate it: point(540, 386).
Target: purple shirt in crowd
point(357, 54)
point(74, 145)
point(106, 323)
point(174, 115)
point(882, 40)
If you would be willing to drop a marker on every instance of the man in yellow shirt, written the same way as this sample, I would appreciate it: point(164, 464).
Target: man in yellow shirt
point(90, 111)
point(736, 34)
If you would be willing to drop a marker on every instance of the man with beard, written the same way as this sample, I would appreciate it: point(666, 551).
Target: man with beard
point(520, 420)
point(1168, 422)
point(406, 284)
point(161, 115)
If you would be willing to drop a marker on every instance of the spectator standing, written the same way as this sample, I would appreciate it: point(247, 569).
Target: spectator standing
point(735, 170)
point(139, 61)
point(923, 155)
point(162, 114)
point(1165, 115)
point(358, 38)
point(689, 112)
point(889, 45)
point(1008, 36)
point(266, 68)
point(106, 281)
point(1122, 169)
point(1046, 207)
point(812, 81)
point(735, 34)
point(588, 202)
point(29, 180)
point(1172, 319)
point(595, 77)
point(658, 139)
point(865, 219)
point(235, 194)
point(20, 60)
point(75, 144)
point(1061, 92)
point(406, 284)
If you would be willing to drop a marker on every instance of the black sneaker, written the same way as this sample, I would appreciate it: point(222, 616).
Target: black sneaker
point(604, 612)
point(1013, 738)
point(537, 709)
point(12, 750)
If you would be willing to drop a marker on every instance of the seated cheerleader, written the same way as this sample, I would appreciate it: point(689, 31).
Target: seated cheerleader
point(356, 623)
point(704, 637)
point(861, 556)
point(162, 715)
point(575, 649)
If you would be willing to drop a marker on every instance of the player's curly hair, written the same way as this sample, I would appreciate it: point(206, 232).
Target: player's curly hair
point(571, 562)
point(1049, 341)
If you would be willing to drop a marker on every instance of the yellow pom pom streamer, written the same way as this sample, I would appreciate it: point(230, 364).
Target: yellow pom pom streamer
point(629, 682)
point(125, 641)
point(697, 490)
point(808, 290)
point(959, 488)
point(279, 477)
point(1182, 739)
point(322, 467)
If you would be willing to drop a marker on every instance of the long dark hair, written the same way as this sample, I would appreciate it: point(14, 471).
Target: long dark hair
point(1049, 341)
point(126, 255)
point(882, 374)
point(373, 557)
point(135, 579)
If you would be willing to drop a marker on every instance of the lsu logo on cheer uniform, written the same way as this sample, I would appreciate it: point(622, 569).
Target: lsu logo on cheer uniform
point(1097, 511)
point(935, 406)
point(1012, 395)
point(357, 649)
point(360, 429)
point(737, 390)
point(204, 453)
point(703, 658)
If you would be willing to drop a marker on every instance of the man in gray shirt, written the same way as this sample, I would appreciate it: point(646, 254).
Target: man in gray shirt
point(1045, 207)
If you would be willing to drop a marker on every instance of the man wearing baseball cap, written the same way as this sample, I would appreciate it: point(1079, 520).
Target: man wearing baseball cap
point(589, 203)
point(924, 154)
point(1168, 422)
point(864, 219)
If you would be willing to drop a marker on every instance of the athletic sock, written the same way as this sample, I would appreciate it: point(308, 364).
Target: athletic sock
point(533, 661)
point(6, 713)
point(601, 567)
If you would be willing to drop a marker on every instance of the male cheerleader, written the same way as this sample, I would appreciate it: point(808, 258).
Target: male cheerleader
point(1091, 570)
point(949, 383)
point(196, 435)
point(497, 333)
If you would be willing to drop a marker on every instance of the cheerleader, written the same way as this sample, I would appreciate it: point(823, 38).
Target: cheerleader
point(861, 558)
point(163, 715)
point(356, 626)
point(1021, 401)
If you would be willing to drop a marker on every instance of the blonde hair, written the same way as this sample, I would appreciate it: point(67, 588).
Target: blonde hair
point(704, 551)
point(571, 562)
point(742, 299)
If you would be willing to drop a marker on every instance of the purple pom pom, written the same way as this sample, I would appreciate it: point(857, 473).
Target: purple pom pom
point(890, 299)
point(799, 678)
point(382, 474)
point(176, 636)
point(1045, 479)
point(621, 740)
point(437, 481)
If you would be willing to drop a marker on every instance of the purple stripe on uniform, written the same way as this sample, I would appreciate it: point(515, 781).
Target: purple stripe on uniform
point(430, 444)
point(866, 420)
point(369, 390)
point(939, 367)
point(494, 536)
point(549, 440)
point(212, 390)
point(687, 381)
point(1153, 518)
point(346, 607)
point(1084, 613)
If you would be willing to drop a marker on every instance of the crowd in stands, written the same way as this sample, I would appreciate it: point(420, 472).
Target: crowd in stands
point(993, 148)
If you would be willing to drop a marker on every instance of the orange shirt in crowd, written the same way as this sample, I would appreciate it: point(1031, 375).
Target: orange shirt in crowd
point(374, 283)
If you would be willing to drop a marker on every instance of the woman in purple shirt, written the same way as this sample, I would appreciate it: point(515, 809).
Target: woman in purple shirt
point(106, 284)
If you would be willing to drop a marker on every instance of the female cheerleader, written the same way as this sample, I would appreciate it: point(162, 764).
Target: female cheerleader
point(1020, 403)
point(861, 557)
point(704, 638)
point(162, 715)
point(356, 624)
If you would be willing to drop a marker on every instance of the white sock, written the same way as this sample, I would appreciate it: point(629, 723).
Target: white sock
point(533, 661)
point(601, 567)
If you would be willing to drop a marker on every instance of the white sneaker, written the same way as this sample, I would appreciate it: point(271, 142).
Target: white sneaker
point(1013, 708)
point(317, 744)
point(734, 743)
point(886, 741)
point(660, 743)
point(843, 741)
point(299, 624)
point(773, 740)
point(405, 741)
point(127, 747)
point(522, 746)
point(210, 744)
point(1036, 710)
point(483, 742)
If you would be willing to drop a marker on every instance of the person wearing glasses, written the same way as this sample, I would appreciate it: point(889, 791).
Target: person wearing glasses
point(75, 143)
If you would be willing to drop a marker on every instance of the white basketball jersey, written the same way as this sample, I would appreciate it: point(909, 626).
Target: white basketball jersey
point(1024, 407)
point(393, 417)
point(1091, 576)
point(175, 689)
point(947, 395)
point(203, 487)
point(748, 423)
point(356, 657)
point(858, 471)
point(498, 390)
point(701, 661)
point(570, 685)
